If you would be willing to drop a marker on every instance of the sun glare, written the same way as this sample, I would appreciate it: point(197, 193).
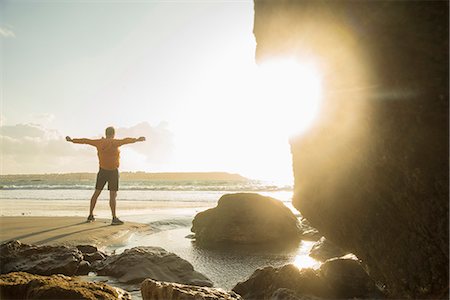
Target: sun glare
point(291, 93)
point(304, 261)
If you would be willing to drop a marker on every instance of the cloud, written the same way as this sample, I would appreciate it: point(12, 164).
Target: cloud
point(33, 148)
point(158, 147)
point(6, 33)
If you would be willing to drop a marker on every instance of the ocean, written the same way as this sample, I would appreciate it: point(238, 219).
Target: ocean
point(62, 195)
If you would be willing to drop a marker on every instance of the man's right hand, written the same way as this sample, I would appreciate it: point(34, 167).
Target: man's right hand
point(141, 139)
point(69, 139)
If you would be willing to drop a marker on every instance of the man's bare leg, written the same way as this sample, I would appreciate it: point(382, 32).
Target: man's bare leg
point(94, 201)
point(112, 202)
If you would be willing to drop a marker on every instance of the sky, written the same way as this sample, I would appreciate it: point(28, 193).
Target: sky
point(181, 73)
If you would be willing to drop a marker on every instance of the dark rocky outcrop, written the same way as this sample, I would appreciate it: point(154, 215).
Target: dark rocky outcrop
point(346, 278)
point(323, 249)
point(264, 282)
point(136, 264)
point(93, 257)
point(246, 218)
point(372, 173)
point(157, 290)
point(91, 254)
point(336, 279)
point(21, 285)
point(42, 260)
point(87, 249)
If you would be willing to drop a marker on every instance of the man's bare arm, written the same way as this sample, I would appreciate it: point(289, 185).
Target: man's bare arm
point(82, 141)
point(130, 140)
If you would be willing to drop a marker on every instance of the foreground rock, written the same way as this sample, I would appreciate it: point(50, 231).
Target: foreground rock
point(156, 290)
point(323, 249)
point(136, 264)
point(287, 294)
point(246, 218)
point(91, 254)
point(372, 173)
point(42, 260)
point(21, 285)
point(336, 279)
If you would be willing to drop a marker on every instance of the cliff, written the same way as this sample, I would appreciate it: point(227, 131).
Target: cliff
point(372, 172)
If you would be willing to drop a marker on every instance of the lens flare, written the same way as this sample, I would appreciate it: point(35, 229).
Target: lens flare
point(291, 92)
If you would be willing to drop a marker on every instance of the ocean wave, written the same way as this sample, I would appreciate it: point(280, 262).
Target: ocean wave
point(139, 187)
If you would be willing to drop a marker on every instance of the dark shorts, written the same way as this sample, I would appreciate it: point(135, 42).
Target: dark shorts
point(107, 176)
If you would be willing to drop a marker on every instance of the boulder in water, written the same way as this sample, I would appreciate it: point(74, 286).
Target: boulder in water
point(246, 218)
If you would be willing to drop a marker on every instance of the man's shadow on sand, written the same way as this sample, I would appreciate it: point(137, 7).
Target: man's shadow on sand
point(58, 236)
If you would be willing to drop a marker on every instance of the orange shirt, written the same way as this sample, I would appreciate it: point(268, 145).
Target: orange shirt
point(107, 150)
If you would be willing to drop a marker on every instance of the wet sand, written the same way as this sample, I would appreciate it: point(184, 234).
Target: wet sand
point(68, 231)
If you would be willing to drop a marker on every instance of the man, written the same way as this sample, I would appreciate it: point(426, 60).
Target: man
point(108, 155)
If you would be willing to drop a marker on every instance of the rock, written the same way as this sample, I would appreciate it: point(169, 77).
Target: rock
point(336, 279)
point(21, 285)
point(136, 264)
point(287, 294)
point(87, 249)
point(91, 253)
point(372, 172)
point(246, 218)
point(84, 268)
point(263, 283)
point(157, 290)
point(309, 233)
point(92, 257)
point(346, 279)
point(42, 260)
point(323, 249)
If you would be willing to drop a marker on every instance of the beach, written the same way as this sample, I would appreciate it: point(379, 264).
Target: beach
point(152, 218)
point(155, 213)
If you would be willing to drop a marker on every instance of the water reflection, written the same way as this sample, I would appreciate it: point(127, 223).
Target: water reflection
point(225, 267)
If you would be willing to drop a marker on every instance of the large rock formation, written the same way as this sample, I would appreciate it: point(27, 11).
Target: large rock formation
point(42, 260)
point(372, 173)
point(136, 264)
point(336, 279)
point(21, 285)
point(246, 218)
point(158, 290)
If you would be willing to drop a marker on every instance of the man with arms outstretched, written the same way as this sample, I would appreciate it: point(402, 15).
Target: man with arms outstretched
point(108, 156)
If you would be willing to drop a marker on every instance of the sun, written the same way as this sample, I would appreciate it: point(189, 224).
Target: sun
point(290, 94)
point(241, 120)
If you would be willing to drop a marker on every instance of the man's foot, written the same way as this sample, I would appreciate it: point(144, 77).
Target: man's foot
point(90, 219)
point(116, 221)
